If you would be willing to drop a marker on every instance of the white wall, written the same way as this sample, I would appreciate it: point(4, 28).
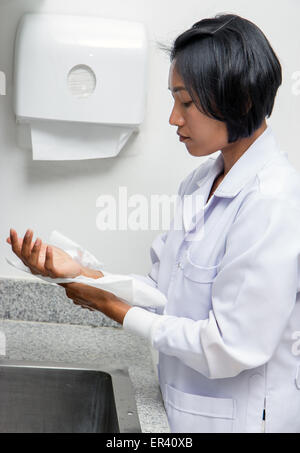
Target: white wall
point(62, 195)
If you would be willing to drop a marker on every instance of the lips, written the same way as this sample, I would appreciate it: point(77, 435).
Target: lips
point(182, 138)
point(181, 135)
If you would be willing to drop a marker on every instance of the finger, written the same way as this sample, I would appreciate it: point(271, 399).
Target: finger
point(75, 288)
point(80, 302)
point(70, 294)
point(35, 254)
point(74, 296)
point(26, 246)
point(19, 240)
point(16, 248)
point(88, 308)
point(75, 301)
point(49, 265)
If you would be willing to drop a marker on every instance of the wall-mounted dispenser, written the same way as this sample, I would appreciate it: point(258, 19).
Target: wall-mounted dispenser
point(80, 83)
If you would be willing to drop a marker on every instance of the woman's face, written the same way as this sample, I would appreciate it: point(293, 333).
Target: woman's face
point(205, 135)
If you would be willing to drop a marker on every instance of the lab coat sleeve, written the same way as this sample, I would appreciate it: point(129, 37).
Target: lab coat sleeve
point(253, 296)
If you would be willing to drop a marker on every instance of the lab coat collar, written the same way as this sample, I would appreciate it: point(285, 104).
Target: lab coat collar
point(246, 167)
point(262, 150)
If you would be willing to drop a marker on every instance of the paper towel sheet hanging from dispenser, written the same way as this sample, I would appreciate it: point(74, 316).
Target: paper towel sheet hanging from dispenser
point(80, 83)
point(64, 141)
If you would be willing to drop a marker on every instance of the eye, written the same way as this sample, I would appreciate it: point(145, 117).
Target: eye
point(187, 104)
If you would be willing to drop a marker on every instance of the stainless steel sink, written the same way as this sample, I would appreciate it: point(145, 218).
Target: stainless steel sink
point(39, 397)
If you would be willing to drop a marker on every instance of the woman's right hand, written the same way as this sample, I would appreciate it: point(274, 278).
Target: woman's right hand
point(43, 259)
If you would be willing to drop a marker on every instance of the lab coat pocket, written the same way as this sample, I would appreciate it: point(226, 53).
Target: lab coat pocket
point(197, 288)
point(197, 273)
point(189, 413)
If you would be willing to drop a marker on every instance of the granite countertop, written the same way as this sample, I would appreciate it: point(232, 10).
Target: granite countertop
point(42, 324)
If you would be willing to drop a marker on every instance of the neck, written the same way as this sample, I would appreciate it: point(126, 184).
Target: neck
point(233, 151)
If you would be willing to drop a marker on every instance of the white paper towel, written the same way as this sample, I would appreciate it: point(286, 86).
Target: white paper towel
point(131, 290)
point(63, 140)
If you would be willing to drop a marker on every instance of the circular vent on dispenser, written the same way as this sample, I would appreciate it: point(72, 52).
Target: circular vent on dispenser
point(81, 81)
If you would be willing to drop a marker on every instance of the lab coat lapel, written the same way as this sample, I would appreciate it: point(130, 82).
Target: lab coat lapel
point(246, 167)
point(194, 204)
point(262, 151)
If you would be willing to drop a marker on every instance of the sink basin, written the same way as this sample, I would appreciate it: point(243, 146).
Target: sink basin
point(39, 397)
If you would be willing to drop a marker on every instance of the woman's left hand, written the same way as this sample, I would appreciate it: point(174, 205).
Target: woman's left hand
point(97, 299)
point(87, 296)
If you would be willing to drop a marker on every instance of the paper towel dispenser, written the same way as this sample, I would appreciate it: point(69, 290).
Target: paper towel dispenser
point(80, 74)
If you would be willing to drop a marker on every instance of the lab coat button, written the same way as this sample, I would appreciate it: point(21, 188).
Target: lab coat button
point(180, 265)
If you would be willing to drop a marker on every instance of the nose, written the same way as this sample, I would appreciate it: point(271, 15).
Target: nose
point(176, 119)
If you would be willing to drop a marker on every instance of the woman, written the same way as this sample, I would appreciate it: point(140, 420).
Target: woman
point(227, 337)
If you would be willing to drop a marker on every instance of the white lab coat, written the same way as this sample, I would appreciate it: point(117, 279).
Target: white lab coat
point(229, 335)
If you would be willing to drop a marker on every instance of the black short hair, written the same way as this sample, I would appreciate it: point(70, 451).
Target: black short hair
point(230, 70)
